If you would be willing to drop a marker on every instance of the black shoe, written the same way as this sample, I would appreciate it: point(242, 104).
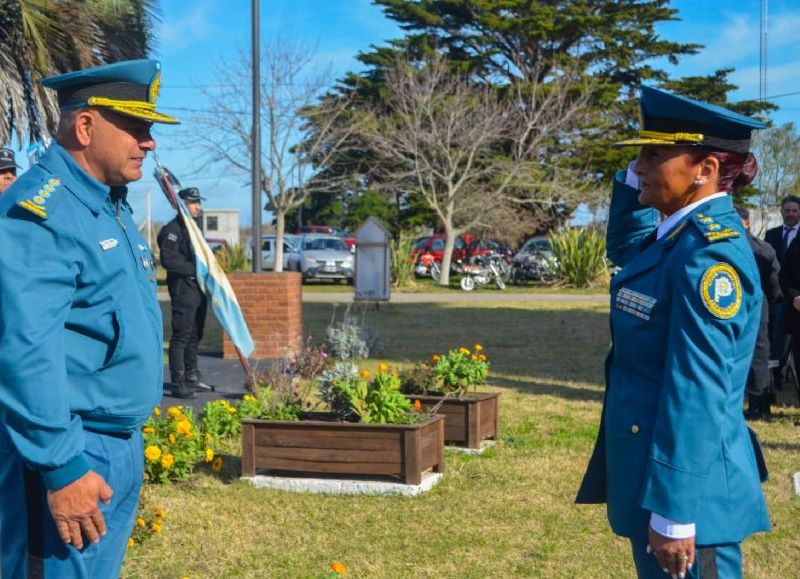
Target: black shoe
point(183, 390)
point(195, 382)
point(758, 407)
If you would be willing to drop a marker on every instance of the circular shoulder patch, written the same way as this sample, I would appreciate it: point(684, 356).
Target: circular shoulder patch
point(721, 290)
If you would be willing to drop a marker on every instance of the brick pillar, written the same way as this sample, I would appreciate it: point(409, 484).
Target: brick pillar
point(272, 307)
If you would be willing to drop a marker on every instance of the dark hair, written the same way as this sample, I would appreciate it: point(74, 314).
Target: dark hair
point(735, 169)
point(743, 212)
point(790, 199)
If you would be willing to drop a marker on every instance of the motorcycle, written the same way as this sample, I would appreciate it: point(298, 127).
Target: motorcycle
point(428, 266)
point(475, 275)
point(534, 267)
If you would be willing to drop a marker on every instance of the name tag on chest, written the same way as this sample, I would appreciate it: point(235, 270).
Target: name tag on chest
point(635, 303)
point(107, 244)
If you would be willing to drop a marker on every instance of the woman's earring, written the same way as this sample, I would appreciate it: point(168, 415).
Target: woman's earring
point(698, 182)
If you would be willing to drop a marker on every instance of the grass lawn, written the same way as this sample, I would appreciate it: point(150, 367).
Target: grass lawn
point(508, 513)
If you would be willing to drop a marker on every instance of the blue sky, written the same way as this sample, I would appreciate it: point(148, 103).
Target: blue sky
point(196, 34)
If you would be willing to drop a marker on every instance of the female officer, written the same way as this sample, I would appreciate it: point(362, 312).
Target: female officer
point(674, 460)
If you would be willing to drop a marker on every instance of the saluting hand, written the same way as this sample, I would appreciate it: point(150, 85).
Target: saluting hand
point(75, 509)
point(674, 556)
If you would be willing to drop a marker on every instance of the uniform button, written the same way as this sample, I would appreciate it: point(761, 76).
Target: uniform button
point(635, 429)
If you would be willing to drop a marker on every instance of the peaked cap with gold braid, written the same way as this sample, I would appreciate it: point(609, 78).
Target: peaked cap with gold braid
point(672, 120)
point(129, 88)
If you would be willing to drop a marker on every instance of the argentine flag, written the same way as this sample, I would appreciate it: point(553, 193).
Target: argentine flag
point(212, 280)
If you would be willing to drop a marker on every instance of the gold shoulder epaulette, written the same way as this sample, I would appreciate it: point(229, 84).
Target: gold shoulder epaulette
point(38, 203)
point(712, 230)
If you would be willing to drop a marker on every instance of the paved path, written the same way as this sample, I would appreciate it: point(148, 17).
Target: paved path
point(474, 296)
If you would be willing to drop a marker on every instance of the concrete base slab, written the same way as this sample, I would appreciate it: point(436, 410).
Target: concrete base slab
point(485, 445)
point(342, 486)
point(796, 478)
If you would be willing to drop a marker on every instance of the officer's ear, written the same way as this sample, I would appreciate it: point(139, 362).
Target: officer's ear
point(84, 127)
point(708, 169)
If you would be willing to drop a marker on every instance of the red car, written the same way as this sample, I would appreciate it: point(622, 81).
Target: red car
point(462, 250)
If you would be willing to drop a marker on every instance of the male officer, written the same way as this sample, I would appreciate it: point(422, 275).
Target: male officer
point(189, 303)
point(758, 390)
point(80, 331)
point(8, 169)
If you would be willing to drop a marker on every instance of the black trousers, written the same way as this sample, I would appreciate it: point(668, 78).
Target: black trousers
point(758, 378)
point(189, 308)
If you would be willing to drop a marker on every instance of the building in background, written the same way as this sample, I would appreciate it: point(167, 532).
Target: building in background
point(221, 224)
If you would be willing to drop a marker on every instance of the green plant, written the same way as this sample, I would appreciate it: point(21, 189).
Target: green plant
point(234, 259)
point(461, 369)
point(580, 257)
point(334, 398)
point(377, 399)
point(220, 418)
point(401, 256)
point(149, 522)
point(173, 445)
point(419, 379)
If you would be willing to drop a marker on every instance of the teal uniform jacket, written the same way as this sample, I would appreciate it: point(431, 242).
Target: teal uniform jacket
point(80, 327)
point(685, 314)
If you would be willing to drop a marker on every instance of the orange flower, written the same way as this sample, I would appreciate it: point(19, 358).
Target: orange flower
point(417, 405)
point(339, 568)
point(436, 358)
point(383, 368)
point(477, 347)
point(184, 427)
point(364, 373)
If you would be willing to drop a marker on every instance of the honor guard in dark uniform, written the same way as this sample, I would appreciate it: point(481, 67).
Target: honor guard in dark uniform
point(80, 332)
point(674, 460)
point(8, 169)
point(189, 303)
point(758, 380)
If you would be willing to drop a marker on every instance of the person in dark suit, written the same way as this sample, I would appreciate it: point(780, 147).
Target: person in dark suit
point(674, 461)
point(780, 238)
point(790, 283)
point(758, 382)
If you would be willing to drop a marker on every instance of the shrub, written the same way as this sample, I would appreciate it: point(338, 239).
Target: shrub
point(334, 398)
point(309, 360)
point(377, 399)
point(350, 339)
point(461, 369)
point(580, 257)
point(234, 259)
point(419, 379)
point(220, 418)
point(401, 256)
point(173, 445)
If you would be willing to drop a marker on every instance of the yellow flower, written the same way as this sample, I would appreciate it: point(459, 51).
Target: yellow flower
point(131, 542)
point(167, 461)
point(364, 373)
point(383, 368)
point(160, 513)
point(174, 411)
point(156, 527)
point(249, 398)
point(217, 464)
point(171, 438)
point(436, 358)
point(474, 358)
point(148, 430)
point(339, 568)
point(230, 409)
point(464, 351)
point(152, 453)
point(482, 357)
point(157, 411)
point(140, 522)
point(477, 347)
point(184, 427)
point(209, 454)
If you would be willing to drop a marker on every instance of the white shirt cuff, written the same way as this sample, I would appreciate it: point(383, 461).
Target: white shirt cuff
point(671, 529)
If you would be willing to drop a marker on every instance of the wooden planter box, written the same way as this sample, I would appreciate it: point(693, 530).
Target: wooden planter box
point(399, 451)
point(469, 420)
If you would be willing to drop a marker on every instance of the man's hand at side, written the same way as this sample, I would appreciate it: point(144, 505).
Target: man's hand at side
point(75, 509)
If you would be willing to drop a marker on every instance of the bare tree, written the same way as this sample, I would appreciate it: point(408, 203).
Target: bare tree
point(471, 149)
point(304, 128)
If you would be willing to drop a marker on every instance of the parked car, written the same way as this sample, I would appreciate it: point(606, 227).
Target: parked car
point(290, 243)
point(349, 238)
point(434, 245)
point(322, 257)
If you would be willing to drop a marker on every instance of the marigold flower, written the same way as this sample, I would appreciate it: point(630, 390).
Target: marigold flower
point(160, 513)
point(140, 522)
point(209, 454)
point(152, 453)
point(131, 542)
point(148, 430)
point(383, 368)
point(230, 409)
point(436, 358)
point(171, 438)
point(482, 357)
point(156, 528)
point(364, 373)
point(249, 398)
point(216, 466)
point(417, 405)
point(167, 461)
point(464, 351)
point(474, 358)
point(174, 411)
point(339, 568)
point(184, 427)
point(477, 347)
point(157, 410)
